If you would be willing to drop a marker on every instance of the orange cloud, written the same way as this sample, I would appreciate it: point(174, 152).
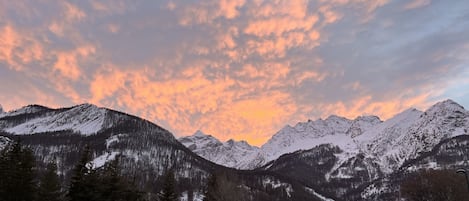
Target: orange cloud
point(279, 25)
point(329, 15)
point(220, 106)
point(229, 8)
point(17, 49)
point(254, 120)
point(67, 62)
point(28, 96)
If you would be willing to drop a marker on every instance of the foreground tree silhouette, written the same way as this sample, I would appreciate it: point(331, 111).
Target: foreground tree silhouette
point(49, 186)
point(83, 183)
point(168, 192)
point(17, 176)
point(114, 187)
point(211, 191)
point(105, 184)
point(222, 186)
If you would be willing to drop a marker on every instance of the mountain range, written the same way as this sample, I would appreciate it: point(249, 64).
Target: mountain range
point(391, 142)
point(327, 159)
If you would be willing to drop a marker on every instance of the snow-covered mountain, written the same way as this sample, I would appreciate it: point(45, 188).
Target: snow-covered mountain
point(390, 142)
point(304, 135)
point(334, 130)
point(85, 119)
point(412, 132)
point(235, 154)
point(336, 158)
point(146, 151)
point(376, 160)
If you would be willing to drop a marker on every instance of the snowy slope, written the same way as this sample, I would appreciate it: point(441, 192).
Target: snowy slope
point(85, 119)
point(412, 132)
point(236, 154)
point(334, 130)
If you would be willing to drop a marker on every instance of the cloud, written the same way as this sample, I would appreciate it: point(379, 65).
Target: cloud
point(17, 49)
point(73, 13)
point(384, 109)
point(229, 8)
point(237, 69)
point(417, 4)
point(67, 62)
point(221, 101)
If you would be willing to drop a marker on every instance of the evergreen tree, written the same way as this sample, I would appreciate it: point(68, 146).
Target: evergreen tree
point(168, 193)
point(425, 185)
point(83, 184)
point(190, 195)
point(49, 186)
point(223, 186)
point(211, 191)
point(114, 186)
point(18, 176)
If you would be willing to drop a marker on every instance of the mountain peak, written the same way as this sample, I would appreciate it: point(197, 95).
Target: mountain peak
point(335, 118)
point(368, 118)
point(444, 107)
point(26, 110)
point(1, 109)
point(85, 106)
point(199, 133)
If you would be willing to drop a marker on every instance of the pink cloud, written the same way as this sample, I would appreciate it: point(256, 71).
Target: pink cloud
point(416, 4)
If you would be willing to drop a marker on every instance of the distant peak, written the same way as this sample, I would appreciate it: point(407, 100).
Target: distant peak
point(369, 118)
point(86, 105)
point(31, 109)
point(446, 105)
point(1, 109)
point(335, 118)
point(199, 133)
point(449, 102)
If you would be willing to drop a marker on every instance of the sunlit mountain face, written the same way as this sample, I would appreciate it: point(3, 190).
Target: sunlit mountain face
point(238, 69)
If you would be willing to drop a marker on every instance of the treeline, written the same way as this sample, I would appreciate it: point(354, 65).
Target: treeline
point(426, 185)
point(21, 180)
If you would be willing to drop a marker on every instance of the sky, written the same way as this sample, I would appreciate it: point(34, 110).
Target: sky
point(240, 69)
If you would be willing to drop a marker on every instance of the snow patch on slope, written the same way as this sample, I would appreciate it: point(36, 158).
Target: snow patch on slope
point(4, 141)
point(198, 196)
point(113, 139)
point(323, 198)
point(103, 159)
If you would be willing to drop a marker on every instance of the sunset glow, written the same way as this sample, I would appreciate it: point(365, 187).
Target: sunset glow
point(240, 69)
